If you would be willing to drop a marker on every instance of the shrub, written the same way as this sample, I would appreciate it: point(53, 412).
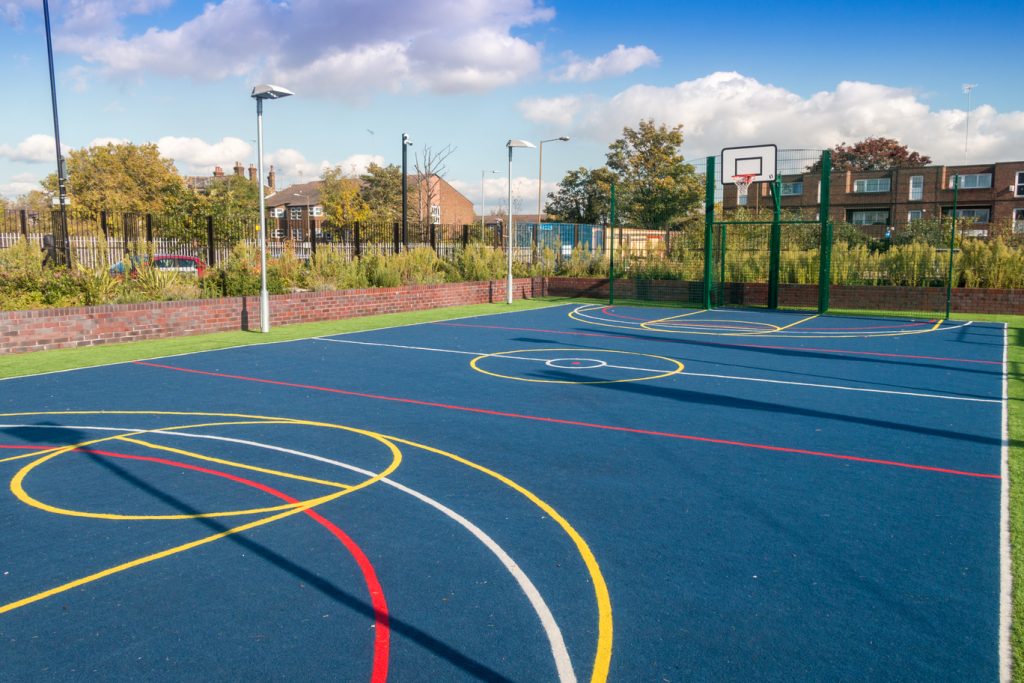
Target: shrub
point(379, 270)
point(330, 270)
point(419, 266)
point(480, 262)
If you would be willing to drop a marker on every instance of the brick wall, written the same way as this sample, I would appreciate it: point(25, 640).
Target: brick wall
point(59, 328)
point(756, 294)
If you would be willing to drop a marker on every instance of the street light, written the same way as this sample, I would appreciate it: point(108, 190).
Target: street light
point(483, 203)
point(511, 224)
point(260, 93)
point(968, 87)
point(540, 171)
point(406, 144)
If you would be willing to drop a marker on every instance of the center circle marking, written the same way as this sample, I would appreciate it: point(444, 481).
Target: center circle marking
point(576, 363)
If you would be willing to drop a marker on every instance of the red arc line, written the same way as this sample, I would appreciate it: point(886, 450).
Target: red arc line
point(577, 423)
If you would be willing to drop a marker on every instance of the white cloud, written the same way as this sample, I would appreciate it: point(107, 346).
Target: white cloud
point(11, 10)
point(559, 111)
point(726, 108)
point(496, 192)
point(620, 61)
point(196, 156)
point(327, 48)
point(33, 149)
point(16, 188)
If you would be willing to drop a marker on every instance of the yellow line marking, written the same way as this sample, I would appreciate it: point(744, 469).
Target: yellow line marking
point(786, 327)
point(679, 367)
point(603, 655)
point(302, 507)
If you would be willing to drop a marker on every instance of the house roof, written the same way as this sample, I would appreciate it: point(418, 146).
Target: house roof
point(296, 195)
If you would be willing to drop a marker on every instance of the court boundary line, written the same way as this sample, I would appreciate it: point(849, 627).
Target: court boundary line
point(685, 373)
point(1005, 558)
point(279, 341)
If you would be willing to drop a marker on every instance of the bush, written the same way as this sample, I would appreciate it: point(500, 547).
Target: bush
point(331, 270)
point(379, 270)
point(480, 262)
point(419, 266)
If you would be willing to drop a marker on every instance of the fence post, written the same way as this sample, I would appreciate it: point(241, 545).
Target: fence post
point(433, 237)
point(952, 244)
point(211, 249)
point(825, 259)
point(125, 218)
point(103, 225)
point(312, 238)
point(396, 229)
point(465, 236)
point(358, 251)
point(709, 228)
point(23, 217)
point(611, 256)
point(149, 231)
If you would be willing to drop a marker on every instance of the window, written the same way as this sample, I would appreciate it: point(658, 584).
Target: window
point(295, 213)
point(277, 211)
point(435, 213)
point(1020, 185)
point(1018, 220)
point(973, 181)
point(872, 217)
point(915, 215)
point(793, 189)
point(979, 214)
point(872, 185)
point(916, 188)
point(317, 210)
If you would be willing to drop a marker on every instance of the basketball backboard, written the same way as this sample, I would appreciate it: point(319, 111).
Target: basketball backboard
point(760, 160)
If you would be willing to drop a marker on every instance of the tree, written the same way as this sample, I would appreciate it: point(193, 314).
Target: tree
point(431, 166)
point(382, 192)
point(873, 154)
point(339, 194)
point(655, 185)
point(120, 177)
point(584, 196)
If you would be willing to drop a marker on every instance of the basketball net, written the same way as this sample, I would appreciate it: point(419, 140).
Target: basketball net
point(743, 181)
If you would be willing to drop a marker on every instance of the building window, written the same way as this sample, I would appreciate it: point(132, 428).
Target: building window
point(915, 215)
point(435, 213)
point(793, 189)
point(872, 217)
point(973, 181)
point(317, 210)
point(1020, 184)
point(295, 213)
point(277, 211)
point(1018, 220)
point(980, 215)
point(916, 188)
point(872, 185)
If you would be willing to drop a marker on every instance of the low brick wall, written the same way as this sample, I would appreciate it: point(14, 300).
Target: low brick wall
point(59, 328)
point(840, 296)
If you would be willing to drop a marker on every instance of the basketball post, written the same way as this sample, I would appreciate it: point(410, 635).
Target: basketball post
point(775, 245)
point(611, 258)
point(952, 244)
point(709, 228)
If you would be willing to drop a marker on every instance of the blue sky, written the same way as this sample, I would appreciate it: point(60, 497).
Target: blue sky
point(473, 73)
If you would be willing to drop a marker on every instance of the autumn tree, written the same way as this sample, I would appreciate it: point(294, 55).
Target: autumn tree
point(655, 185)
point(340, 195)
point(430, 165)
point(584, 196)
point(122, 177)
point(382, 192)
point(873, 154)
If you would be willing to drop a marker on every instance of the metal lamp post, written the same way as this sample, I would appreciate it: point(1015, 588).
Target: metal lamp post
point(483, 204)
point(260, 93)
point(406, 143)
point(540, 171)
point(511, 144)
point(62, 171)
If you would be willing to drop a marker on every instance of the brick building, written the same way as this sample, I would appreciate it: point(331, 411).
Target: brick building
point(439, 202)
point(293, 210)
point(991, 194)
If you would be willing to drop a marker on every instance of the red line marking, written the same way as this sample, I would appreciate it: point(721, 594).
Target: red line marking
point(382, 632)
point(801, 349)
point(577, 423)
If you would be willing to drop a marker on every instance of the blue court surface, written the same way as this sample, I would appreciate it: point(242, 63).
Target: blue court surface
point(580, 492)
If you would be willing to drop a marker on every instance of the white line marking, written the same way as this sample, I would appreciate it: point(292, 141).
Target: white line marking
point(686, 373)
point(563, 663)
point(1005, 560)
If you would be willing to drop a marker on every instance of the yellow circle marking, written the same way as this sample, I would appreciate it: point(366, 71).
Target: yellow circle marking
point(676, 370)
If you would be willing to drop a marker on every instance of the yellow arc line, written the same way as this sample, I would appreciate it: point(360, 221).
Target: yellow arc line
point(679, 368)
point(302, 507)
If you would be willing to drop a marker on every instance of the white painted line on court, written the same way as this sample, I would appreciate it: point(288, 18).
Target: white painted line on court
point(1005, 559)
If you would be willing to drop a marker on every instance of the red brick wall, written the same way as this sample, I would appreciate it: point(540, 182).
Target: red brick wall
point(756, 294)
point(58, 328)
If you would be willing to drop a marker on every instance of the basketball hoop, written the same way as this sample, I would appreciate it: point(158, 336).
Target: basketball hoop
point(742, 182)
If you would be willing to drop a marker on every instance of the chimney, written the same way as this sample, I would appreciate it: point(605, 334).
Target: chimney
point(271, 179)
point(239, 169)
point(218, 172)
point(252, 173)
